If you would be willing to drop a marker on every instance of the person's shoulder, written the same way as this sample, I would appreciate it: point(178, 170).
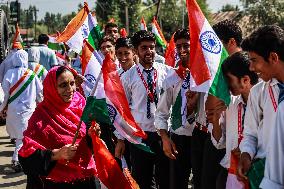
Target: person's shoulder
point(257, 88)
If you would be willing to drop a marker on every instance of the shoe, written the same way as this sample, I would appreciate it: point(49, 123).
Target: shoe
point(16, 166)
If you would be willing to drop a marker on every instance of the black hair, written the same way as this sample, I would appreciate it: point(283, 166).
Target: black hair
point(228, 29)
point(110, 25)
point(265, 40)
point(238, 65)
point(123, 42)
point(43, 38)
point(61, 70)
point(181, 34)
point(107, 38)
point(140, 36)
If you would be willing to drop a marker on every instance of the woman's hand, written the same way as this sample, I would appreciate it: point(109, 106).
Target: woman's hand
point(67, 152)
point(95, 128)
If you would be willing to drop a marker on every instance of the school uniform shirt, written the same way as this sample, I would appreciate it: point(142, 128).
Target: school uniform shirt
point(47, 57)
point(229, 125)
point(259, 119)
point(136, 93)
point(274, 164)
point(174, 88)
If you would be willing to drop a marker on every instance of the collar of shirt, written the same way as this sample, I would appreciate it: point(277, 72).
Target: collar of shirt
point(273, 82)
point(142, 67)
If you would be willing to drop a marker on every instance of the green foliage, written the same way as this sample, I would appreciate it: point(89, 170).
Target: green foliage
point(264, 12)
point(229, 7)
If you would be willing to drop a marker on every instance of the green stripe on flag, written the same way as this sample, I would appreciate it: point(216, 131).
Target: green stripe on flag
point(176, 117)
point(219, 87)
point(55, 46)
point(160, 41)
point(95, 36)
point(96, 109)
point(26, 84)
point(144, 147)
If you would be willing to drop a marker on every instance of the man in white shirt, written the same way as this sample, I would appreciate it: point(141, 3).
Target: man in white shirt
point(265, 47)
point(227, 132)
point(47, 56)
point(142, 84)
point(177, 144)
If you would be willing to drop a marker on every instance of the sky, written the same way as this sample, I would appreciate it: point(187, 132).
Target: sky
point(67, 6)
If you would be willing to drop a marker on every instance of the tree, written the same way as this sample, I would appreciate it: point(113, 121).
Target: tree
point(264, 12)
point(229, 7)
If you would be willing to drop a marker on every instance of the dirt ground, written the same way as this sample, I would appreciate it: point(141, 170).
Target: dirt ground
point(8, 179)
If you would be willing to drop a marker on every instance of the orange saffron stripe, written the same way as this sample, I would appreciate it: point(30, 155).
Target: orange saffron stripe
point(20, 81)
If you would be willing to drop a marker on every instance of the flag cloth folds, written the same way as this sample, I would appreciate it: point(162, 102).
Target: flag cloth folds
point(109, 104)
point(158, 34)
point(53, 44)
point(17, 41)
point(207, 54)
point(143, 25)
point(107, 168)
point(83, 26)
point(171, 56)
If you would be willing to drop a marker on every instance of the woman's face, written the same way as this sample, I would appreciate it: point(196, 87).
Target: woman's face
point(66, 86)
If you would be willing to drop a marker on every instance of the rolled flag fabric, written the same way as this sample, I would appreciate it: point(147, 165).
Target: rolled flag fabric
point(158, 34)
point(17, 41)
point(108, 170)
point(171, 56)
point(207, 54)
point(143, 25)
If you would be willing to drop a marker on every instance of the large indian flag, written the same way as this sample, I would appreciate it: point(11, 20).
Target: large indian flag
point(158, 34)
point(82, 26)
point(207, 54)
point(108, 104)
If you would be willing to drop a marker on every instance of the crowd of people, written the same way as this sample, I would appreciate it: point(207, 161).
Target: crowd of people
point(238, 146)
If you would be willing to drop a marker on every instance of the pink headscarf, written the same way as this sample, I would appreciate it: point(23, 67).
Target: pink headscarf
point(53, 125)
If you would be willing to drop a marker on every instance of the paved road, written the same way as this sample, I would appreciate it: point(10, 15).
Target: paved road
point(7, 179)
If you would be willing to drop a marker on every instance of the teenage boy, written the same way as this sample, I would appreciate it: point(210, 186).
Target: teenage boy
point(228, 133)
point(176, 144)
point(265, 48)
point(142, 84)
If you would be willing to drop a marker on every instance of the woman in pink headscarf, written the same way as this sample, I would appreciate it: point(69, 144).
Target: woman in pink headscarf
point(47, 156)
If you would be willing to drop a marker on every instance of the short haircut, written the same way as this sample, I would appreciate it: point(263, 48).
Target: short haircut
point(265, 40)
point(228, 29)
point(110, 25)
point(238, 65)
point(123, 42)
point(43, 38)
point(181, 34)
point(141, 36)
point(108, 38)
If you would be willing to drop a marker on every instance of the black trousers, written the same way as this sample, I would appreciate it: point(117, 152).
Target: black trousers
point(181, 167)
point(205, 160)
point(150, 170)
point(222, 178)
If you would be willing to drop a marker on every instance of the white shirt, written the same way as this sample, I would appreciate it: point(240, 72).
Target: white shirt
point(259, 119)
point(20, 110)
point(136, 93)
point(274, 165)
point(229, 125)
point(7, 64)
point(171, 86)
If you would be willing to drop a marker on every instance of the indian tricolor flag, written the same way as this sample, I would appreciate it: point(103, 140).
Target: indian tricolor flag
point(143, 25)
point(53, 44)
point(158, 34)
point(108, 105)
point(171, 56)
point(95, 31)
point(207, 54)
point(82, 26)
